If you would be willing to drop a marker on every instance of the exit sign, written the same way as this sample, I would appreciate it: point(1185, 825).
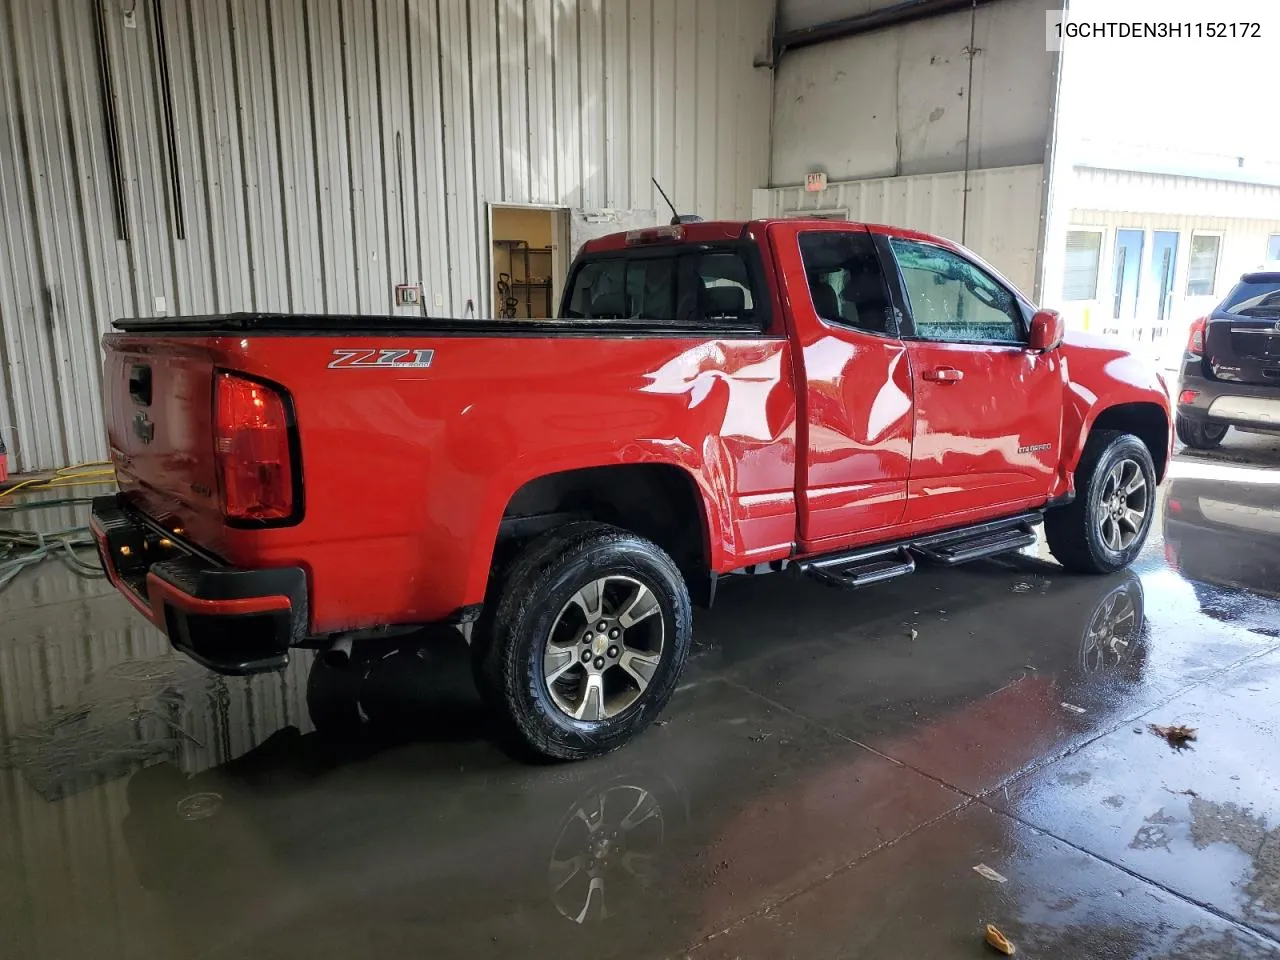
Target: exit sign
point(815, 182)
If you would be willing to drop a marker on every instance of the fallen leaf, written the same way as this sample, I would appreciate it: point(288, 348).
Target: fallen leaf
point(1179, 736)
point(998, 941)
point(984, 871)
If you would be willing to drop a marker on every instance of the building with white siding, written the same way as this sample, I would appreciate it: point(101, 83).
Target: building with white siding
point(1150, 243)
point(311, 155)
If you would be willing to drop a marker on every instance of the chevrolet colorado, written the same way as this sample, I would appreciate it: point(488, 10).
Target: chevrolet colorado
point(714, 398)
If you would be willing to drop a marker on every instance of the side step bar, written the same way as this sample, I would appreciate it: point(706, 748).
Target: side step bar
point(860, 568)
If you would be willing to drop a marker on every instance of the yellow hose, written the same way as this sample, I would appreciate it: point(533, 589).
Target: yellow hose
point(66, 477)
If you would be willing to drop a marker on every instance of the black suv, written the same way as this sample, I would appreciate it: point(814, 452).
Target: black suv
point(1231, 374)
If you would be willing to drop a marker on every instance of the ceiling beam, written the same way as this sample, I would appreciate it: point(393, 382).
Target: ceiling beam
point(906, 11)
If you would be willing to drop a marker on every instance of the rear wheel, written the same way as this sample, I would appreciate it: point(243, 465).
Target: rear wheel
point(1104, 528)
point(586, 640)
point(1199, 435)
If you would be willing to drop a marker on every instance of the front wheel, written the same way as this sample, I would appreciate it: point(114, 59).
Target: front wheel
point(586, 642)
point(1104, 528)
point(1199, 435)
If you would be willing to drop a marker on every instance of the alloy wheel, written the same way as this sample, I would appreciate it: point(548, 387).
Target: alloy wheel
point(604, 649)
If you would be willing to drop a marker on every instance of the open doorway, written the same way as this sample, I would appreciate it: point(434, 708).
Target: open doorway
point(528, 260)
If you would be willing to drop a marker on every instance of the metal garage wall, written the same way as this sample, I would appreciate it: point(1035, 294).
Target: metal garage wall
point(307, 155)
point(1002, 214)
point(900, 101)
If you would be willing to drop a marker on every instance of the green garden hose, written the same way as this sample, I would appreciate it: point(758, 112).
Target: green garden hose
point(20, 549)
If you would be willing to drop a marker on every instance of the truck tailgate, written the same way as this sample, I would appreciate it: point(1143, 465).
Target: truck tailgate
point(159, 409)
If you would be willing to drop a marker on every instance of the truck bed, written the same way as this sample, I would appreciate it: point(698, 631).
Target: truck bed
point(337, 325)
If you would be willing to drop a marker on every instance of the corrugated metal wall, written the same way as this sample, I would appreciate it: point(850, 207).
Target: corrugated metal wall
point(307, 155)
point(1000, 222)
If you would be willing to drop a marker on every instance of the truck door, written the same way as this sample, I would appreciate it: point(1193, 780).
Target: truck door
point(988, 411)
point(853, 385)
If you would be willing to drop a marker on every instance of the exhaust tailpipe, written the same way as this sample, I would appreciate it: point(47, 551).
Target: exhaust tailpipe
point(338, 653)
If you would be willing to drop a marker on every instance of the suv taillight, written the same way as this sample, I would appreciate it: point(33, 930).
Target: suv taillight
point(251, 445)
point(1195, 343)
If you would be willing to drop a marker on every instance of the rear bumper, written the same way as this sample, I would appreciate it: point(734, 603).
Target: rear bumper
point(232, 621)
point(1221, 401)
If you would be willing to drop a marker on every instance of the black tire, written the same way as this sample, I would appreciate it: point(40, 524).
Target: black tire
point(510, 645)
point(1200, 435)
point(1074, 531)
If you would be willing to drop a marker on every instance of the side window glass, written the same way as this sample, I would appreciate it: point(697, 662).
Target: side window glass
point(845, 280)
point(952, 299)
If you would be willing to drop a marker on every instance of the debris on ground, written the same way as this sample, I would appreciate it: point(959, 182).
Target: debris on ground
point(1022, 587)
point(984, 871)
point(913, 634)
point(1178, 736)
point(761, 737)
point(998, 941)
point(1072, 707)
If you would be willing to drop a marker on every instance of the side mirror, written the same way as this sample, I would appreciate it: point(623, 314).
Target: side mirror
point(1047, 331)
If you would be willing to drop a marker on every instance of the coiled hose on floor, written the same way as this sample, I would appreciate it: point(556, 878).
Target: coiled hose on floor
point(21, 549)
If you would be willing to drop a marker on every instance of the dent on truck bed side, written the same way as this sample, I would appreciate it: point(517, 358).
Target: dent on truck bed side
point(408, 472)
point(722, 411)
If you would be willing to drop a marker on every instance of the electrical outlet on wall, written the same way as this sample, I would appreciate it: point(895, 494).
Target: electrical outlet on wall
point(408, 294)
point(439, 299)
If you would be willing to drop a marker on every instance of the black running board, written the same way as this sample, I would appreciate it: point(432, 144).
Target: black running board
point(860, 568)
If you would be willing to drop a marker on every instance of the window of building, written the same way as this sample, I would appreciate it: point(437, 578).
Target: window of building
point(1273, 247)
point(1080, 274)
point(1202, 268)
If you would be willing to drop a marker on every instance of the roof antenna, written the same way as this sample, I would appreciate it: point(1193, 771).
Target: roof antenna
point(676, 217)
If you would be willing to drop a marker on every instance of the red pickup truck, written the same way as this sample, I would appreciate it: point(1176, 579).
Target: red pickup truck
point(715, 398)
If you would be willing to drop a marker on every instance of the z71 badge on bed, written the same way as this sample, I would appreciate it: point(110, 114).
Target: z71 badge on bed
point(381, 359)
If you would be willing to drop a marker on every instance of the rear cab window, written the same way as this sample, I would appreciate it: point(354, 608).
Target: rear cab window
point(703, 286)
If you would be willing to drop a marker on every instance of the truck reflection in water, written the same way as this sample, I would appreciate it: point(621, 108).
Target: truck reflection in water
point(401, 809)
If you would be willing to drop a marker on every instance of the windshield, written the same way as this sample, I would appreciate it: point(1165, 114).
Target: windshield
point(1257, 298)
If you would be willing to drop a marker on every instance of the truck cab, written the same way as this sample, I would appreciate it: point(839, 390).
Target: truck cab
point(843, 400)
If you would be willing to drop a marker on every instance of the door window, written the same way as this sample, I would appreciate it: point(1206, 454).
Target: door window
point(845, 280)
point(954, 300)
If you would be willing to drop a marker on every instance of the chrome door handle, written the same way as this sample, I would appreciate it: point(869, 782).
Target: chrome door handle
point(944, 375)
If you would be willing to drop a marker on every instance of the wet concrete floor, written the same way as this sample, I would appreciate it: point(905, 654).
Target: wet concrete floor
point(841, 775)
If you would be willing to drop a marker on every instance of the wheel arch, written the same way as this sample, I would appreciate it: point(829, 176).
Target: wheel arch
point(1146, 420)
point(659, 501)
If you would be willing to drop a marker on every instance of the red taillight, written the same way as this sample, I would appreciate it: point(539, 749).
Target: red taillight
point(251, 444)
point(1195, 343)
point(1188, 396)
